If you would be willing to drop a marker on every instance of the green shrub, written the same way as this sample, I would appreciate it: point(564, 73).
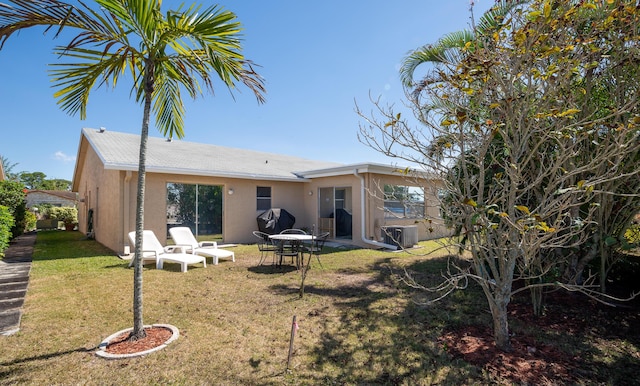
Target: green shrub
point(66, 214)
point(44, 211)
point(12, 195)
point(29, 221)
point(6, 223)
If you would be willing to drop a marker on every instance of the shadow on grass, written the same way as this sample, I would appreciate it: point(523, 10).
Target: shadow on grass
point(15, 371)
point(272, 269)
point(385, 334)
point(381, 335)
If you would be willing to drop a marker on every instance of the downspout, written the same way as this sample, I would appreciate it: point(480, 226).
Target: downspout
point(363, 217)
point(126, 211)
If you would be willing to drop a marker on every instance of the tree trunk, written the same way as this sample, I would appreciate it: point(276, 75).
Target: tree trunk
point(537, 300)
point(500, 322)
point(138, 324)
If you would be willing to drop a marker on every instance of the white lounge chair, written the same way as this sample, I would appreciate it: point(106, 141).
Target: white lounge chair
point(183, 238)
point(152, 250)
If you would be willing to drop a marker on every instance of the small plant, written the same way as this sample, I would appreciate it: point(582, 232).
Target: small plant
point(29, 221)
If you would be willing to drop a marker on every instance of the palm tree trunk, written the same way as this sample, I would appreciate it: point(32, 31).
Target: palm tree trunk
point(138, 325)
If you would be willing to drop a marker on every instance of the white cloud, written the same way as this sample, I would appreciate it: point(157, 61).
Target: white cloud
point(63, 157)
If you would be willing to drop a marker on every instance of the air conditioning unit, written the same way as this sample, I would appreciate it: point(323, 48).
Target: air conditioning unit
point(400, 236)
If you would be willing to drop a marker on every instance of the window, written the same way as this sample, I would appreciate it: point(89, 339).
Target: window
point(198, 207)
point(403, 201)
point(263, 194)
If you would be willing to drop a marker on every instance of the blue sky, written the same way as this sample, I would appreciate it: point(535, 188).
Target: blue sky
point(318, 58)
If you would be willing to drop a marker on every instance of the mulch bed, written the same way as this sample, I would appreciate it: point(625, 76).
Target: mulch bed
point(156, 336)
point(534, 362)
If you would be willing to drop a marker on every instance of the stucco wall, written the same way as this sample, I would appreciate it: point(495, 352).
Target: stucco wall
point(99, 189)
point(239, 209)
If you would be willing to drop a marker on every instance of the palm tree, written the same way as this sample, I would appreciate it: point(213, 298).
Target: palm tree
point(164, 54)
point(7, 167)
point(448, 49)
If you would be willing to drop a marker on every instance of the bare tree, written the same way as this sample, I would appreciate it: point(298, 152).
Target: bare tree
point(508, 128)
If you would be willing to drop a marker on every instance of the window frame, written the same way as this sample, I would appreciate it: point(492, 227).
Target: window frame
point(261, 199)
point(404, 202)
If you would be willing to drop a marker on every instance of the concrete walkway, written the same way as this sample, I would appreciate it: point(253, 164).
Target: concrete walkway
point(14, 279)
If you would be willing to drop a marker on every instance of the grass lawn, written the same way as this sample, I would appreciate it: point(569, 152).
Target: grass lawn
point(358, 324)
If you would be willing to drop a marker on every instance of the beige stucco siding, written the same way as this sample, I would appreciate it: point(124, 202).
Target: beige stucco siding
point(239, 208)
point(100, 190)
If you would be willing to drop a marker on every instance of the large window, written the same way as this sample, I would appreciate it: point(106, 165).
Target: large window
point(403, 201)
point(263, 194)
point(198, 207)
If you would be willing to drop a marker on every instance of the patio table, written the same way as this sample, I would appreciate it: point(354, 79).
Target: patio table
point(296, 245)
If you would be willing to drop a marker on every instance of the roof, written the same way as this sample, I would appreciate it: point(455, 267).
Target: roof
point(68, 195)
point(120, 151)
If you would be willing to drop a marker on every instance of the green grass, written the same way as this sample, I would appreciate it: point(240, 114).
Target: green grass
point(358, 323)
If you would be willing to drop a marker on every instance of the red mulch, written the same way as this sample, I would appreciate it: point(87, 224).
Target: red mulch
point(156, 336)
point(530, 361)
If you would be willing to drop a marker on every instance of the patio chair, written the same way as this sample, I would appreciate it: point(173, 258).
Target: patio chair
point(288, 248)
point(290, 245)
point(152, 250)
point(316, 246)
point(294, 231)
point(183, 238)
point(265, 246)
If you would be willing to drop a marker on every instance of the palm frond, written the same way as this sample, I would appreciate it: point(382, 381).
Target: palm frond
point(21, 14)
point(167, 106)
point(445, 50)
point(76, 80)
point(448, 49)
point(496, 15)
point(183, 50)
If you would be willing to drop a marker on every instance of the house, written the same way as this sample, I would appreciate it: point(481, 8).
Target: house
point(51, 197)
point(220, 190)
point(2, 177)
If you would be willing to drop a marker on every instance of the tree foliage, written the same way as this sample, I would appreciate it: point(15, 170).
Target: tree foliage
point(6, 223)
point(12, 195)
point(515, 127)
point(67, 214)
point(39, 181)
point(32, 180)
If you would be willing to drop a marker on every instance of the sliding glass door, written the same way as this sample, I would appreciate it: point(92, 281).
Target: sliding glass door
point(198, 207)
point(335, 212)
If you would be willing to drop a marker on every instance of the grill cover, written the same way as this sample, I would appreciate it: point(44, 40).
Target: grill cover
point(275, 220)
